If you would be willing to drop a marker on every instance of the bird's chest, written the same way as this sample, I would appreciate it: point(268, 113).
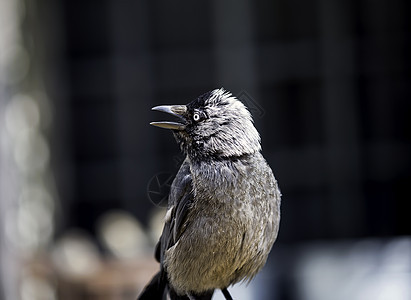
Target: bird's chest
point(207, 250)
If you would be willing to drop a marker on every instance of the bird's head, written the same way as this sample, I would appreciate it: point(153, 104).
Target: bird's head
point(215, 124)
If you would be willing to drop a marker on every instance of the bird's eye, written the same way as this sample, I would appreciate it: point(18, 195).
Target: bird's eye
point(196, 117)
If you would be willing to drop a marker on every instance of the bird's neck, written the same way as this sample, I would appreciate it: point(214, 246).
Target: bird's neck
point(219, 177)
point(203, 160)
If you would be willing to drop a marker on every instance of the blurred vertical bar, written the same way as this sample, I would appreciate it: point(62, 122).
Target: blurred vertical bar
point(341, 116)
point(234, 47)
point(27, 191)
point(8, 187)
point(133, 93)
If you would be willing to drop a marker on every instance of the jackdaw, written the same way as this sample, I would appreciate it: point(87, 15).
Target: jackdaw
point(224, 203)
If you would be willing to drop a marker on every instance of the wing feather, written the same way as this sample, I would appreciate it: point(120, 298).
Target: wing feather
point(179, 200)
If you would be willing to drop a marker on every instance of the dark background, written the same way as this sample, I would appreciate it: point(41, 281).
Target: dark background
point(332, 79)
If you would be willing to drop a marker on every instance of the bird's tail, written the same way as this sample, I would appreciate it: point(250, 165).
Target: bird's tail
point(154, 290)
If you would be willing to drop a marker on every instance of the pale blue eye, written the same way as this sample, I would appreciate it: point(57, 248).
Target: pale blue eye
point(196, 117)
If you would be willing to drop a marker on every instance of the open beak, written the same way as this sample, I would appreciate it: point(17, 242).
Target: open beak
point(175, 110)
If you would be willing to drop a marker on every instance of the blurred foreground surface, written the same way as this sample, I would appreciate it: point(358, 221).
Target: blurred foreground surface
point(370, 269)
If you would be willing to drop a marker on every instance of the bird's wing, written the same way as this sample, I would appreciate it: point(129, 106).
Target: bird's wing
point(179, 203)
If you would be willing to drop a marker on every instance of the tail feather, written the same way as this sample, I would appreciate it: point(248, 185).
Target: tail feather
point(154, 290)
point(157, 289)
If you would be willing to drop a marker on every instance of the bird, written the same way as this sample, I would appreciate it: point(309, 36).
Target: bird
point(223, 210)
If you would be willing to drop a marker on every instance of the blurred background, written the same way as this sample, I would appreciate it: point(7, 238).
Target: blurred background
point(84, 178)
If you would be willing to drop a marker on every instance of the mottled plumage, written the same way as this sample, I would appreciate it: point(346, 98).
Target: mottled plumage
point(224, 203)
